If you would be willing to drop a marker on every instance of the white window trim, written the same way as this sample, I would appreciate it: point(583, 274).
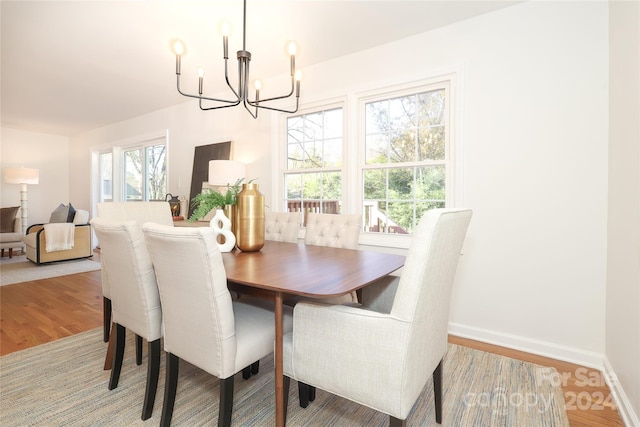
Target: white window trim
point(278, 148)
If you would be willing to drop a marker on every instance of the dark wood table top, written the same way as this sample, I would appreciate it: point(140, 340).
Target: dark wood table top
point(313, 271)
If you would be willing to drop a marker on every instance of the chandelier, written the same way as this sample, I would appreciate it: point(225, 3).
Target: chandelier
point(241, 94)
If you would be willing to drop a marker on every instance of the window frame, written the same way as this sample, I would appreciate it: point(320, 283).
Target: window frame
point(354, 147)
point(281, 150)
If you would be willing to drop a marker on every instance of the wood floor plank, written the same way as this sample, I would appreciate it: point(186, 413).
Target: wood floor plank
point(40, 311)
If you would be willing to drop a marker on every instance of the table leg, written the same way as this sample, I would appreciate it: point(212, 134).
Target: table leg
point(278, 362)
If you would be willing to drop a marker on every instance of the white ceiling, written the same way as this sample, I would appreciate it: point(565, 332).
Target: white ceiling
point(72, 66)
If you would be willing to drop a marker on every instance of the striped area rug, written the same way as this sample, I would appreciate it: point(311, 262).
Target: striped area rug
point(19, 269)
point(63, 383)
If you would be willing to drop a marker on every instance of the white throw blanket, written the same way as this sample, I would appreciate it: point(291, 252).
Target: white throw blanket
point(59, 236)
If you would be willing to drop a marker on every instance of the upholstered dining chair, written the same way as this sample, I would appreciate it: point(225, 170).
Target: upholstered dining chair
point(140, 212)
point(135, 301)
point(282, 226)
point(202, 324)
point(381, 354)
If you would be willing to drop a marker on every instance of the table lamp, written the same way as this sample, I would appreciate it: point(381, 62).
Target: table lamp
point(22, 176)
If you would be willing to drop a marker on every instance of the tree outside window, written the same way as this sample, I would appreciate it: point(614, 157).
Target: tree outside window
point(405, 160)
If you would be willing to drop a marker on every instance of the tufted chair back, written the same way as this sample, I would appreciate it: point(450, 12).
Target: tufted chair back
point(333, 230)
point(282, 226)
point(140, 212)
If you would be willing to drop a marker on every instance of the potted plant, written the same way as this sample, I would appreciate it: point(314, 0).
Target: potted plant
point(212, 199)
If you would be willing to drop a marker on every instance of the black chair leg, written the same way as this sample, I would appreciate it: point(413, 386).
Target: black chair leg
point(394, 422)
point(138, 350)
point(226, 402)
point(153, 371)
point(246, 373)
point(312, 393)
point(116, 366)
point(106, 318)
point(170, 387)
point(303, 394)
point(255, 367)
point(437, 391)
point(286, 381)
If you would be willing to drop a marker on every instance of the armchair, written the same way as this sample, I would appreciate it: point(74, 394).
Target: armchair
point(36, 242)
point(11, 236)
point(382, 353)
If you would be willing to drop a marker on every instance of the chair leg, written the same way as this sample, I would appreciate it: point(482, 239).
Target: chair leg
point(312, 393)
point(255, 367)
point(394, 422)
point(138, 350)
point(286, 381)
point(246, 373)
point(226, 402)
point(170, 387)
point(120, 332)
point(437, 392)
point(303, 394)
point(106, 318)
point(153, 371)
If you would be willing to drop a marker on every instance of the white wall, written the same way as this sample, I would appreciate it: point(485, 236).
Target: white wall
point(534, 83)
point(623, 258)
point(49, 154)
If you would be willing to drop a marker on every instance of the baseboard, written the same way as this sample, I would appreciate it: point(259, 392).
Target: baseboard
point(542, 348)
point(625, 409)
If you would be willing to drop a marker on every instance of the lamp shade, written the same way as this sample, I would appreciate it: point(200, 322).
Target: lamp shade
point(21, 176)
point(223, 172)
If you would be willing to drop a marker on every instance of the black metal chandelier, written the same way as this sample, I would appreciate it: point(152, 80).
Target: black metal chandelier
point(242, 92)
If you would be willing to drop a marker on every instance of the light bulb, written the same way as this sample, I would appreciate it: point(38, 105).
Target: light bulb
point(292, 48)
point(225, 28)
point(178, 47)
point(257, 84)
point(200, 72)
point(298, 75)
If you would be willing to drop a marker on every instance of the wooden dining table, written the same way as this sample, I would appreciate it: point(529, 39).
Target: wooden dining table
point(282, 269)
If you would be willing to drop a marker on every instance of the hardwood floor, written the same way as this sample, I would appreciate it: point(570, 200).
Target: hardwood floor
point(40, 311)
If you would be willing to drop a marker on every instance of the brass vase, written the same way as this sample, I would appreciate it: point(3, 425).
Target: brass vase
point(250, 219)
point(230, 212)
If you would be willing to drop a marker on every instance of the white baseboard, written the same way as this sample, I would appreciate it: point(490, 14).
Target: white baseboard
point(542, 348)
point(568, 354)
point(628, 415)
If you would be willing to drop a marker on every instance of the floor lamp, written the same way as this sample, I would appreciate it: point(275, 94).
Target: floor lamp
point(22, 176)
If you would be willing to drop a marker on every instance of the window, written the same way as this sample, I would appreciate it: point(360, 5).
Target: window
point(314, 160)
point(406, 157)
point(106, 177)
point(145, 173)
point(403, 143)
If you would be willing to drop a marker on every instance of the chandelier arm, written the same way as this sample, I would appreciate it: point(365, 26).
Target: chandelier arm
point(254, 115)
point(226, 77)
point(217, 107)
point(200, 97)
point(257, 102)
point(275, 109)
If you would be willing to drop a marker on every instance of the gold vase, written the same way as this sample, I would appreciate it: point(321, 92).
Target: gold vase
point(230, 212)
point(250, 219)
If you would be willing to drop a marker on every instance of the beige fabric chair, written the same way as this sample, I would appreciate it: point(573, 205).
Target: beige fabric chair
point(382, 353)
point(134, 297)
point(282, 226)
point(35, 242)
point(202, 324)
point(333, 230)
point(12, 240)
point(140, 212)
point(336, 231)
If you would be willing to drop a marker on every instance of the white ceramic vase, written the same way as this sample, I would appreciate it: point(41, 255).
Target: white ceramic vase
point(221, 225)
